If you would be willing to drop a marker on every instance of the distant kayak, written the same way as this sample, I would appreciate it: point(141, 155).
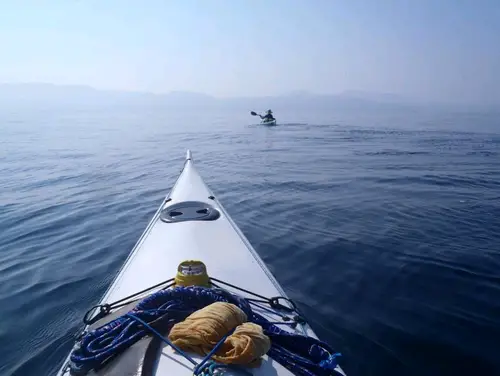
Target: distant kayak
point(269, 123)
point(268, 120)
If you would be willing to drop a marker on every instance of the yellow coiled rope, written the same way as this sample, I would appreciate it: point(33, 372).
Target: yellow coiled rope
point(203, 329)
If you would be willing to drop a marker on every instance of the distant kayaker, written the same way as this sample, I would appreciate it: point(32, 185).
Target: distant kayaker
point(268, 116)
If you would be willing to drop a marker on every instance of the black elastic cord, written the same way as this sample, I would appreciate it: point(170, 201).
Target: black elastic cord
point(274, 302)
point(105, 309)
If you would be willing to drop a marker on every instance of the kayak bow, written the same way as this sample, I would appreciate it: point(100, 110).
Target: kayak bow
point(191, 224)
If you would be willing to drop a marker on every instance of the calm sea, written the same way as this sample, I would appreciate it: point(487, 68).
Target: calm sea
point(385, 227)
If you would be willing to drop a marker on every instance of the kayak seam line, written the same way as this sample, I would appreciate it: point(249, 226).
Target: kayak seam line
point(244, 239)
point(253, 252)
point(133, 252)
point(139, 242)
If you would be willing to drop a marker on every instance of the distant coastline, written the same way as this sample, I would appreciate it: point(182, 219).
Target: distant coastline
point(46, 93)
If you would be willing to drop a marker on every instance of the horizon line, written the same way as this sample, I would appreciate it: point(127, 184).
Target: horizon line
point(353, 94)
point(296, 92)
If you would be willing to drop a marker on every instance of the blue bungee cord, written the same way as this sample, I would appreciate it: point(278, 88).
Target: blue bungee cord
point(302, 355)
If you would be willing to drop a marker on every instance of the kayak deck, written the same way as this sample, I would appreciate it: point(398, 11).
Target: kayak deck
point(170, 239)
point(219, 244)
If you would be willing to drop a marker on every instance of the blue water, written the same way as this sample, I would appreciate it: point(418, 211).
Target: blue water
point(385, 227)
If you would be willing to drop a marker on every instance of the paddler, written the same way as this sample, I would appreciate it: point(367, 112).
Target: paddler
point(268, 116)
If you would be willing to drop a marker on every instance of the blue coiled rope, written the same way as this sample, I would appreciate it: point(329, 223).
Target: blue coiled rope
point(302, 355)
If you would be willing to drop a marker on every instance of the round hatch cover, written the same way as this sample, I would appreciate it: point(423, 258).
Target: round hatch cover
point(189, 211)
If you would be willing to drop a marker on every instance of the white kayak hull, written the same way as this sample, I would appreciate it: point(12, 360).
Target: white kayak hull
point(269, 123)
point(219, 244)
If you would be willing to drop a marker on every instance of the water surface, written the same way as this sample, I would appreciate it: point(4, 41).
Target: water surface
point(384, 227)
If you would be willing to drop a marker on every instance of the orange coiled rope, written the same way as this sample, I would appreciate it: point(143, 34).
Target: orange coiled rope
point(203, 329)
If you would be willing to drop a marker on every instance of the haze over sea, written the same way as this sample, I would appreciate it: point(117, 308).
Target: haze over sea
point(383, 222)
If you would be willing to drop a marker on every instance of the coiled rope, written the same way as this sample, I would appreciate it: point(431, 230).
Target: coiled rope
point(302, 355)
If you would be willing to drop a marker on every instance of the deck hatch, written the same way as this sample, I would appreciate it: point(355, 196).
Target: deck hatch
point(189, 211)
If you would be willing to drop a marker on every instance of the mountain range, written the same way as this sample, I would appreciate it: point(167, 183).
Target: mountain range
point(42, 93)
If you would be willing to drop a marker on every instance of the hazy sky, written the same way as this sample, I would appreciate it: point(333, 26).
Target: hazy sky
point(437, 49)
